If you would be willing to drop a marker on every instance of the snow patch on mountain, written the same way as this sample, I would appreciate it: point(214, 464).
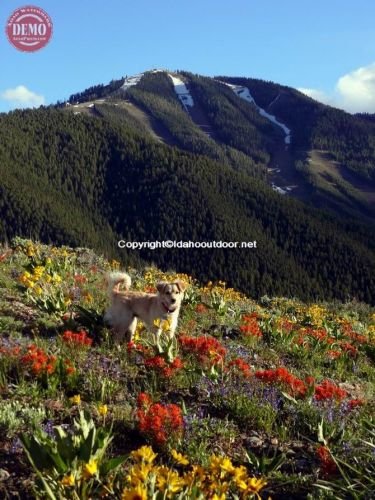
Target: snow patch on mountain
point(244, 93)
point(130, 81)
point(278, 189)
point(182, 92)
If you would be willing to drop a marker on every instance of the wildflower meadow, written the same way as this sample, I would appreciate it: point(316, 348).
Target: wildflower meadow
point(251, 399)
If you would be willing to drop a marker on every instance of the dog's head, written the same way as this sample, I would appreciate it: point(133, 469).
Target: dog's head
point(171, 294)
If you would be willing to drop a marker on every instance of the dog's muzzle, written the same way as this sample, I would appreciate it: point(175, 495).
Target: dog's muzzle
point(167, 309)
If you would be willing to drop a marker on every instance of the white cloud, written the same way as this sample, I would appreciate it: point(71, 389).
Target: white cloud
point(22, 97)
point(357, 89)
point(354, 92)
point(318, 95)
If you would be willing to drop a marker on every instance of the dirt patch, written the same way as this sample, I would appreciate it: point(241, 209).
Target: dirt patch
point(155, 129)
point(200, 118)
point(322, 164)
point(367, 187)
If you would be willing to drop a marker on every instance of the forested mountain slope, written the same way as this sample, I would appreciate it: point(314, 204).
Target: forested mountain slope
point(91, 179)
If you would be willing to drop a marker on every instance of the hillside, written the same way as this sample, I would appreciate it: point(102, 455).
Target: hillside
point(252, 400)
point(108, 181)
point(252, 121)
point(133, 161)
point(350, 138)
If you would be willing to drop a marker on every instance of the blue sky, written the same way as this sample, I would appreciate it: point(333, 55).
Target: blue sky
point(325, 47)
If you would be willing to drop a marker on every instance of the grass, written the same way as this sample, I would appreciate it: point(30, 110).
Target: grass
point(327, 176)
point(252, 400)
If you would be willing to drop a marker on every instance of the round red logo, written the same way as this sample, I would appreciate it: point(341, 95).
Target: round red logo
point(29, 28)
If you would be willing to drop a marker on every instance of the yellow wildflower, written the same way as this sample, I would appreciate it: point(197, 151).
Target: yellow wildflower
point(222, 496)
point(138, 331)
point(26, 280)
point(162, 478)
point(76, 400)
point(218, 488)
point(165, 325)
point(38, 271)
point(139, 474)
point(90, 469)
point(30, 251)
point(253, 485)
point(38, 290)
point(239, 473)
point(168, 479)
point(88, 298)
point(68, 480)
point(195, 476)
point(103, 410)
point(180, 459)
point(189, 479)
point(144, 454)
point(317, 314)
point(56, 278)
point(199, 472)
point(148, 277)
point(137, 493)
point(221, 465)
point(157, 322)
point(241, 484)
point(175, 482)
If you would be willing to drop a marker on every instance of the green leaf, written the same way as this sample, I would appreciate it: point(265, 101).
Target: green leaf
point(87, 447)
point(47, 488)
point(111, 464)
point(37, 451)
point(289, 397)
point(277, 462)
point(59, 462)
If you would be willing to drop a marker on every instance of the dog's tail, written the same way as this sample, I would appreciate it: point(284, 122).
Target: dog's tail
point(114, 281)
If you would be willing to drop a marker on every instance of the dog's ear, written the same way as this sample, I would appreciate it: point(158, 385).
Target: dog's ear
point(160, 287)
point(181, 285)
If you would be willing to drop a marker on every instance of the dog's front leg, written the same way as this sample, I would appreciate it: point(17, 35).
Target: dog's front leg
point(157, 333)
point(131, 329)
point(173, 326)
point(118, 333)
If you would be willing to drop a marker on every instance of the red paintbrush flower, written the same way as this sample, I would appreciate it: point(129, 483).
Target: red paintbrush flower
point(201, 309)
point(207, 350)
point(327, 464)
point(241, 367)
point(281, 375)
point(329, 390)
point(159, 422)
point(250, 326)
point(77, 338)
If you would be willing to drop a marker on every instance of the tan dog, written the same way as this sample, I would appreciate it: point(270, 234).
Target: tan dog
point(127, 306)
